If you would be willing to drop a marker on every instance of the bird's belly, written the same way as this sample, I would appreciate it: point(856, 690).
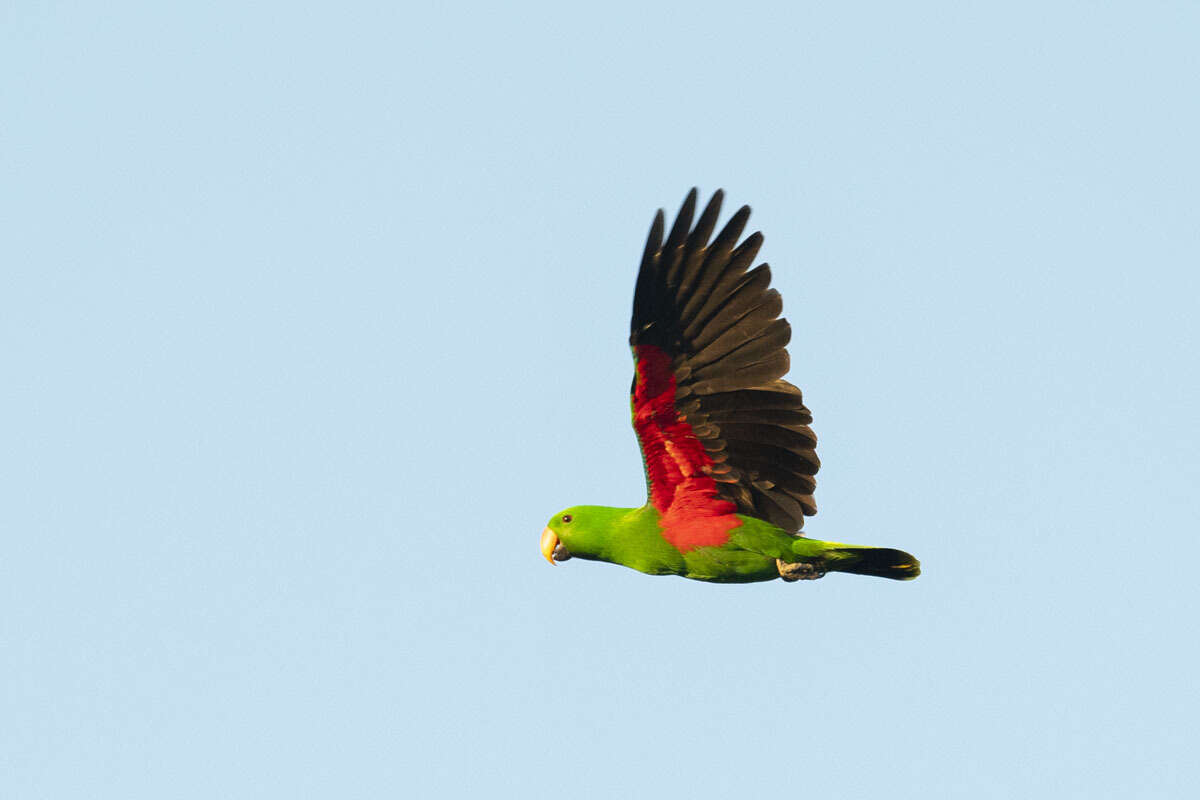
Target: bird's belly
point(722, 565)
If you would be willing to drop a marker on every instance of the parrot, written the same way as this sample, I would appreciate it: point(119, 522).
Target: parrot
point(727, 448)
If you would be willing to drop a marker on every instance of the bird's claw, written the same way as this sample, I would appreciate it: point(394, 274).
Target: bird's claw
point(799, 571)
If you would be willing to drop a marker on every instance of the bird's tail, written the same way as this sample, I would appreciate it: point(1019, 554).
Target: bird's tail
point(882, 562)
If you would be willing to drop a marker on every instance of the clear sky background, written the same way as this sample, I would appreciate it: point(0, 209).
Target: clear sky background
point(312, 316)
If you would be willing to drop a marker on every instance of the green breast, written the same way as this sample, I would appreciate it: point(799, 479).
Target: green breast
point(637, 542)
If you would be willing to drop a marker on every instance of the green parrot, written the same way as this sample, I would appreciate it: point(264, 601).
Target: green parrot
point(728, 453)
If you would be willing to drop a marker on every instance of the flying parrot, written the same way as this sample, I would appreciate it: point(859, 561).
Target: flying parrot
point(728, 453)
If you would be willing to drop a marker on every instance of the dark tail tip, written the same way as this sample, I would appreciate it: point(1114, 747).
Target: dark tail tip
point(881, 562)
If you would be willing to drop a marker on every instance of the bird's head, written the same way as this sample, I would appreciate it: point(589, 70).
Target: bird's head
point(577, 531)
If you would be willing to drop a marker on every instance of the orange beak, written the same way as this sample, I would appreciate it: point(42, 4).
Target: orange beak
point(549, 542)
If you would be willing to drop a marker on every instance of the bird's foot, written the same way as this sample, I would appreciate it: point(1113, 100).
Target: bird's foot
point(799, 571)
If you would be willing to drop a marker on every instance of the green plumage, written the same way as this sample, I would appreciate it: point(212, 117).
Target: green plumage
point(633, 538)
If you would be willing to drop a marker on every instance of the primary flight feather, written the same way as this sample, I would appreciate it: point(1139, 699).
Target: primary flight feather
point(729, 456)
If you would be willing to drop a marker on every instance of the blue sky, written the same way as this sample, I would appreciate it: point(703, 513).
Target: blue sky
point(310, 318)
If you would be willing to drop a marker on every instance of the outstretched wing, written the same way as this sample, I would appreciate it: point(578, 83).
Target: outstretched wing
point(720, 432)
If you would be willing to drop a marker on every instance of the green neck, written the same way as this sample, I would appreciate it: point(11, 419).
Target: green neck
point(628, 536)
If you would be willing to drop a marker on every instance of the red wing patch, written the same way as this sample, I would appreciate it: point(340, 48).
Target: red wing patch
point(677, 465)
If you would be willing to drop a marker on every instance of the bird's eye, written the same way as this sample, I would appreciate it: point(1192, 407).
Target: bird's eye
point(566, 517)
